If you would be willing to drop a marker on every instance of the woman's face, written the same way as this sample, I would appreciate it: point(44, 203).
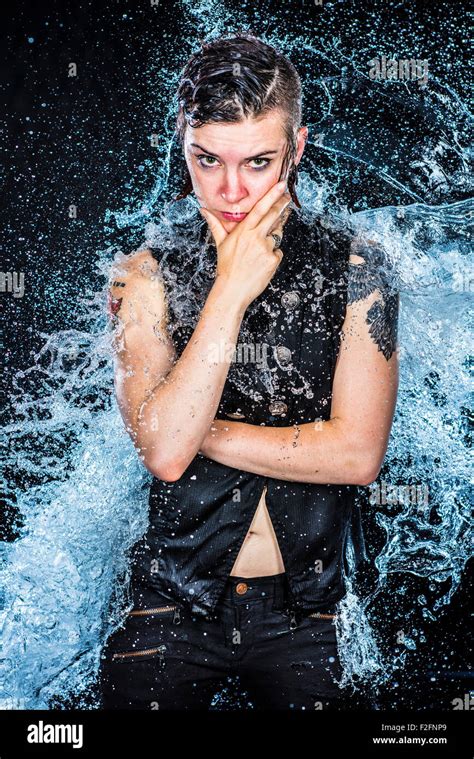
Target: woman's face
point(232, 165)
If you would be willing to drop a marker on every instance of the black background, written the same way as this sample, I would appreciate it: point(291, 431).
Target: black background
point(82, 140)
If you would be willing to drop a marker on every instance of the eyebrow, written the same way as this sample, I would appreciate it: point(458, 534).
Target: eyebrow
point(249, 158)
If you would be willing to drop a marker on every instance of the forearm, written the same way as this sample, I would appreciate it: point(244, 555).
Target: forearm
point(176, 416)
point(319, 452)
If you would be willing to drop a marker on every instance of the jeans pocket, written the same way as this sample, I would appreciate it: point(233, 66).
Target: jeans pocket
point(132, 644)
point(146, 634)
point(171, 612)
point(139, 655)
point(321, 616)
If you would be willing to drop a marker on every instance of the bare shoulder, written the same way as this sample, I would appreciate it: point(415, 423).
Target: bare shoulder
point(140, 264)
point(136, 285)
point(372, 297)
point(370, 271)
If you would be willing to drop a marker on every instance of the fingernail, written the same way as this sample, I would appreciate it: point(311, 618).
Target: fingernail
point(281, 184)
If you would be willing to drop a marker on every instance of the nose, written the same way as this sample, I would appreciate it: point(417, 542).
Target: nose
point(232, 189)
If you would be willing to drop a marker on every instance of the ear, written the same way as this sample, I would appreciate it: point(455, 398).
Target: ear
point(301, 140)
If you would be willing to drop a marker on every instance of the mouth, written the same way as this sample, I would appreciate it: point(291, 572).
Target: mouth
point(233, 216)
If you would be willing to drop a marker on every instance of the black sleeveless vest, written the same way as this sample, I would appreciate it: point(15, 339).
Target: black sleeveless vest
point(282, 374)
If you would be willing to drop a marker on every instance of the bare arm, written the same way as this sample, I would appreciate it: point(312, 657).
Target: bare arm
point(350, 447)
point(175, 417)
point(168, 407)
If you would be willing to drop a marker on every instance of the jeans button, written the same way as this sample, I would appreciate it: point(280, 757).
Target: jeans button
point(241, 588)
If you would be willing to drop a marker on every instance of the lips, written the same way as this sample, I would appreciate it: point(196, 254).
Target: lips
point(233, 216)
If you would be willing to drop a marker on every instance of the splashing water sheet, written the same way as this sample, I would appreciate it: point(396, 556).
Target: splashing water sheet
point(92, 167)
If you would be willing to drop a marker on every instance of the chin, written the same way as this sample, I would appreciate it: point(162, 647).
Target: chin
point(229, 226)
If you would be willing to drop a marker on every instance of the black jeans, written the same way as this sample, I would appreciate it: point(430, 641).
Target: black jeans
point(245, 656)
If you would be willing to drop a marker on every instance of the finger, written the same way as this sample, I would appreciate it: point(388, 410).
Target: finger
point(282, 219)
point(263, 206)
point(278, 253)
point(218, 232)
point(279, 230)
point(270, 242)
point(278, 213)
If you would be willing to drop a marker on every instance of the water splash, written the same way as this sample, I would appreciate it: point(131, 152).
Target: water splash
point(62, 581)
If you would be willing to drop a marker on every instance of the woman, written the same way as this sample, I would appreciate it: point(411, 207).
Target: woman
point(256, 462)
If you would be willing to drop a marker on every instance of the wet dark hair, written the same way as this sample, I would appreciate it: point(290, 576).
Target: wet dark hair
point(234, 78)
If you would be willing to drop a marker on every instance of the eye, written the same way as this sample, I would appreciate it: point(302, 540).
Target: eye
point(208, 161)
point(266, 161)
point(203, 157)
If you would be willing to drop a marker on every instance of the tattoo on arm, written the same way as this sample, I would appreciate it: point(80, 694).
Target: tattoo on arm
point(363, 279)
point(114, 304)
